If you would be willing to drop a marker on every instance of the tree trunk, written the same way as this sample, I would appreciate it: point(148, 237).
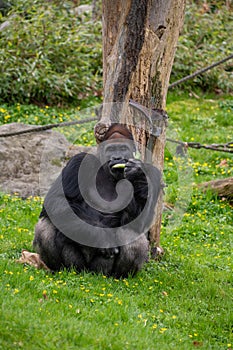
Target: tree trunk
point(139, 43)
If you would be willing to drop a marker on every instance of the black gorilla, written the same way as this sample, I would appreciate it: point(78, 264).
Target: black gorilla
point(88, 222)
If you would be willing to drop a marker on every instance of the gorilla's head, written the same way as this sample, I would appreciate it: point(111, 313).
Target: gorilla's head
point(116, 149)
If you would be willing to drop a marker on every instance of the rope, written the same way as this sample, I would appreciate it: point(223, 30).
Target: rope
point(203, 70)
point(225, 147)
point(48, 127)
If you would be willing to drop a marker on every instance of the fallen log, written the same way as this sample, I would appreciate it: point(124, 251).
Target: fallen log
point(223, 187)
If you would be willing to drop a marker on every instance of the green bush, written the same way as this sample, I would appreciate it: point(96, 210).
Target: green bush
point(48, 54)
point(205, 39)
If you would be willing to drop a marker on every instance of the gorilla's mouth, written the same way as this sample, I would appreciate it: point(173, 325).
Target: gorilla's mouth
point(117, 164)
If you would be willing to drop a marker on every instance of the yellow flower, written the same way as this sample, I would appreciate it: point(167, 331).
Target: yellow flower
point(162, 330)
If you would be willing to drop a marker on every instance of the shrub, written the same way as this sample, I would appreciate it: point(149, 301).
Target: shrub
point(48, 54)
point(205, 39)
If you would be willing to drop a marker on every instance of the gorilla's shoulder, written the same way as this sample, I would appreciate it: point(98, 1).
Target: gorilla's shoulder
point(77, 159)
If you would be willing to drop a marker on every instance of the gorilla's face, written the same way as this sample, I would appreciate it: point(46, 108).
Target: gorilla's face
point(115, 154)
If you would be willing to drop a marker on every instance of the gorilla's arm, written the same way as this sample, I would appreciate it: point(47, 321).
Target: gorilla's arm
point(146, 180)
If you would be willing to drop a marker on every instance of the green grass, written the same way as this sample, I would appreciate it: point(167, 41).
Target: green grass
point(182, 302)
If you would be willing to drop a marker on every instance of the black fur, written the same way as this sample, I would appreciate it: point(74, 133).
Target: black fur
point(58, 251)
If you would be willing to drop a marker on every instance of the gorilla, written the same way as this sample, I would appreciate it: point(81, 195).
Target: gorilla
point(97, 214)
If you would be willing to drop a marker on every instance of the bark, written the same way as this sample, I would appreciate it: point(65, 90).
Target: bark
point(139, 43)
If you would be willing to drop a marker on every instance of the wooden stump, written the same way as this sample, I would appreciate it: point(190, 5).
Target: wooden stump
point(223, 188)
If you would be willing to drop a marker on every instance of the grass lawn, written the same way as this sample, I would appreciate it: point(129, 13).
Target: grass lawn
point(182, 302)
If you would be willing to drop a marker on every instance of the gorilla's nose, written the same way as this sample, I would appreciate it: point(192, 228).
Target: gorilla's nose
point(116, 158)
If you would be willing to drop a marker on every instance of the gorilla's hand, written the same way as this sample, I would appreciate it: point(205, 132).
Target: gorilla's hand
point(133, 169)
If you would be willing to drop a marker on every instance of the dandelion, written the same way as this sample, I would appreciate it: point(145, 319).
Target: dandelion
point(162, 330)
point(154, 326)
point(16, 291)
point(7, 117)
point(31, 278)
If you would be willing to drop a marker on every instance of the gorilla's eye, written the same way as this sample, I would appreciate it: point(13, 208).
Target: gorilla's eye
point(124, 148)
point(110, 149)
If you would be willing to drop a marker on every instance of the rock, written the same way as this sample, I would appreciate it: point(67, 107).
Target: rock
point(81, 9)
point(31, 162)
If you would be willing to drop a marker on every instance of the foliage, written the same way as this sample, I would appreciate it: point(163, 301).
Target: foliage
point(48, 54)
point(181, 302)
point(205, 39)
